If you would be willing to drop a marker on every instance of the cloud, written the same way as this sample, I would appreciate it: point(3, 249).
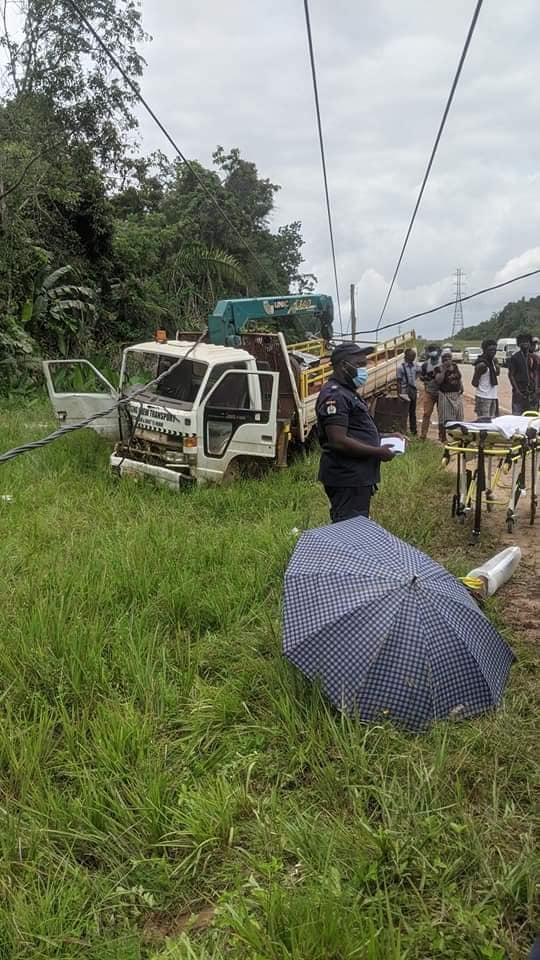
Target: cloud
point(527, 261)
point(238, 74)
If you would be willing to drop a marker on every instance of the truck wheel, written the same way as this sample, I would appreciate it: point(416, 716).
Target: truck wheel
point(232, 473)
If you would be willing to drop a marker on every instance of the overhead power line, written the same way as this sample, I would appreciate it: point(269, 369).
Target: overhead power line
point(433, 153)
point(323, 158)
point(450, 303)
point(208, 193)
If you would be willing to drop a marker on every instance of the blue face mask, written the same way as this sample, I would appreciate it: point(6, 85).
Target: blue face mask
point(360, 376)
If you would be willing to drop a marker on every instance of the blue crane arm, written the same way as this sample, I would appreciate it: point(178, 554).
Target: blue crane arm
point(297, 317)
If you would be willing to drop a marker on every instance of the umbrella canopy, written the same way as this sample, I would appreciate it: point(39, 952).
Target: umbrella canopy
point(389, 632)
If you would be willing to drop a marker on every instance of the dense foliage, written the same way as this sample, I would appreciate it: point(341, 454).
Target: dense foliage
point(97, 244)
point(520, 316)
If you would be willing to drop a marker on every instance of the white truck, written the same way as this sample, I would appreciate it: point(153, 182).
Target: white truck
point(223, 411)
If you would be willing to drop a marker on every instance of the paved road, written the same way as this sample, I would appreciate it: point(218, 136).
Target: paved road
point(505, 390)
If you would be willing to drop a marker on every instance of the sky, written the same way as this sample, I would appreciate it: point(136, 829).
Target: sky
point(237, 74)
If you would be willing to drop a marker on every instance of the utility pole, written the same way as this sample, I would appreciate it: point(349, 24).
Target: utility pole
point(353, 313)
point(457, 325)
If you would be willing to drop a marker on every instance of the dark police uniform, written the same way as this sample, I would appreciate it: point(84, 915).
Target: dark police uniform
point(349, 482)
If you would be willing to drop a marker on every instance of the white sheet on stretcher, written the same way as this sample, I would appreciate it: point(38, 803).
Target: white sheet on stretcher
point(506, 427)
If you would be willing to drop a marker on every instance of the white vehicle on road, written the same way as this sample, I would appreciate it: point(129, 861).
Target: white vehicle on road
point(506, 346)
point(457, 355)
point(471, 354)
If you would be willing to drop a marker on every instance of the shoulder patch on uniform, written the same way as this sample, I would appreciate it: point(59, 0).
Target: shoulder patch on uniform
point(330, 408)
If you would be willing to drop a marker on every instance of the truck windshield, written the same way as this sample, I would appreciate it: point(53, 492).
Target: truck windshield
point(182, 384)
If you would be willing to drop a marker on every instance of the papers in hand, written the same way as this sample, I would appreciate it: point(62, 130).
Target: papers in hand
point(396, 444)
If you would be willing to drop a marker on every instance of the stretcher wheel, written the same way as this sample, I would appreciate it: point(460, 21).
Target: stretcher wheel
point(510, 524)
point(461, 518)
point(532, 515)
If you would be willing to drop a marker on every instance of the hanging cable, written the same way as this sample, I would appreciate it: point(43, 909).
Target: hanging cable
point(192, 169)
point(433, 153)
point(450, 303)
point(323, 159)
point(122, 401)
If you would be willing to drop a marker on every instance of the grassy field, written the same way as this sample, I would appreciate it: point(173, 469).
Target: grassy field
point(171, 788)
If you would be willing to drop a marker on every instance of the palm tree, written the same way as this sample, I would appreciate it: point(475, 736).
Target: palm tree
point(197, 276)
point(59, 308)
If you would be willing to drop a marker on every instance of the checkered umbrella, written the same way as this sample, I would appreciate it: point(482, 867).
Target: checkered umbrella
point(389, 632)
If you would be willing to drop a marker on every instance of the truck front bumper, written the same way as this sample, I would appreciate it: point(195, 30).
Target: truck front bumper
point(124, 467)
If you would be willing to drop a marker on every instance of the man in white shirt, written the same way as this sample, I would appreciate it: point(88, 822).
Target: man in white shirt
point(485, 380)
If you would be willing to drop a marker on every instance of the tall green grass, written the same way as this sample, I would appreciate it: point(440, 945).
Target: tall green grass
point(158, 756)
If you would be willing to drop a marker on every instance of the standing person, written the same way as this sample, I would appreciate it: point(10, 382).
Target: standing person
point(431, 388)
point(352, 454)
point(406, 375)
point(485, 380)
point(450, 397)
point(536, 372)
point(522, 373)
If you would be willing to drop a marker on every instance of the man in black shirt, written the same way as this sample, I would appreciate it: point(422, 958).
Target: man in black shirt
point(522, 375)
point(352, 454)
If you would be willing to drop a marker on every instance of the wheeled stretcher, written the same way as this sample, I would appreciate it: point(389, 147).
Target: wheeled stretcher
point(485, 452)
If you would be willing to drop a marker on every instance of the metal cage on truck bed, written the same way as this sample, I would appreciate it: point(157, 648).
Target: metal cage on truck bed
point(382, 365)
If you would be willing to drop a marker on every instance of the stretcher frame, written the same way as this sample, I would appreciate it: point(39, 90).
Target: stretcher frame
point(482, 458)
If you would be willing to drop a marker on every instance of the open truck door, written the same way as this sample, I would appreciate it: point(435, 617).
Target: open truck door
point(238, 421)
point(78, 390)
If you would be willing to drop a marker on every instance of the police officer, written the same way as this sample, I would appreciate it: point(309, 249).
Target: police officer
point(352, 454)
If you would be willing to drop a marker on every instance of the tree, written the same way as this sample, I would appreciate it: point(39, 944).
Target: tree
point(52, 56)
point(64, 118)
point(520, 316)
point(253, 197)
point(145, 245)
point(54, 206)
point(248, 202)
point(164, 278)
point(60, 310)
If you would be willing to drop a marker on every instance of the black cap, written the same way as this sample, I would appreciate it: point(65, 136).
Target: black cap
point(349, 349)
